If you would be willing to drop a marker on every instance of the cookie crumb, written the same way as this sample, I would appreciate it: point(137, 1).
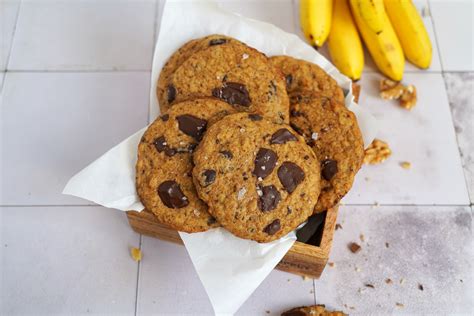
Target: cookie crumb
point(305, 278)
point(311, 291)
point(420, 287)
point(377, 152)
point(399, 305)
point(289, 280)
point(357, 269)
point(402, 280)
point(338, 226)
point(331, 264)
point(367, 179)
point(369, 285)
point(136, 254)
point(387, 244)
point(388, 281)
point(268, 312)
point(405, 165)
point(362, 237)
point(354, 247)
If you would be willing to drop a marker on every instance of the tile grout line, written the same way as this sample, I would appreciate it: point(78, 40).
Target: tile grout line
point(436, 36)
point(348, 204)
point(314, 292)
point(77, 70)
point(138, 277)
point(11, 47)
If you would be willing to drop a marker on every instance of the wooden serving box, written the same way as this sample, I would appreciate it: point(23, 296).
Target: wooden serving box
point(306, 259)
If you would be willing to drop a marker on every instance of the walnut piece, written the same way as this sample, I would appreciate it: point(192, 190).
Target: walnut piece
point(408, 98)
point(136, 254)
point(377, 152)
point(392, 90)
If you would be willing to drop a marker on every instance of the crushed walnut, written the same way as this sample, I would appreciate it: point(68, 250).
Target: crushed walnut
point(392, 90)
point(377, 152)
point(405, 165)
point(331, 264)
point(136, 254)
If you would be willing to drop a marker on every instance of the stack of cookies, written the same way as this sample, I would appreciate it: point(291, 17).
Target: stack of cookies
point(250, 143)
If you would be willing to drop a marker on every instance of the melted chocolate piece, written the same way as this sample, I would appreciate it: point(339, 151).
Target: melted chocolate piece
point(289, 80)
point(209, 176)
point(328, 168)
point(233, 93)
point(269, 199)
point(290, 175)
point(171, 195)
point(272, 228)
point(171, 93)
point(227, 154)
point(161, 145)
point(255, 117)
point(192, 125)
point(265, 162)
point(282, 136)
point(217, 41)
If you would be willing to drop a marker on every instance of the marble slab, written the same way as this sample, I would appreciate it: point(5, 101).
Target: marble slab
point(84, 35)
point(66, 260)
point(424, 137)
point(460, 87)
point(425, 252)
point(168, 284)
point(55, 124)
point(8, 16)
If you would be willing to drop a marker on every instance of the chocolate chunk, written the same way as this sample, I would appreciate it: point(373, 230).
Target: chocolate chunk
point(297, 129)
point(269, 198)
point(290, 175)
point(265, 161)
point(272, 228)
point(282, 136)
point(211, 221)
point(171, 93)
point(233, 93)
point(217, 41)
point(255, 117)
point(295, 113)
point(192, 126)
point(354, 247)
point(227, 154)
point(289, 80)
point(171, 195)
point(328, 169)
point(161, 145)
point(209, 177)
point(165, 117)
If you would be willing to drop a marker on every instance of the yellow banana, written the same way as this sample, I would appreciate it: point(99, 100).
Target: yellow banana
point(315, 19)
point(411, 31)
point(372, 11)
point(344, 42)
point(384, 47)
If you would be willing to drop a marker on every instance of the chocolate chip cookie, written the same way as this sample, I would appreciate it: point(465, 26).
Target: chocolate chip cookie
point(259, 178)
point(333, 133)
point(235, 73)
point(180, 56)
point(314, 310)
point(303, 75)
point(163, 171)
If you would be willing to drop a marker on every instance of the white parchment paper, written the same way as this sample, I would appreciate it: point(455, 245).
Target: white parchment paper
point(230, 268)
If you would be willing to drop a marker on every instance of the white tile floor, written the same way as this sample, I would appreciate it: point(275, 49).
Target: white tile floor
point(73, 89)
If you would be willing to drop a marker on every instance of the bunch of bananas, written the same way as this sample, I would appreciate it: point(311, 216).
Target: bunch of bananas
point(390, 29)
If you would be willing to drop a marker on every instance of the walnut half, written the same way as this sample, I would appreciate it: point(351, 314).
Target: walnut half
point(392, 90)
point(377, 152)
